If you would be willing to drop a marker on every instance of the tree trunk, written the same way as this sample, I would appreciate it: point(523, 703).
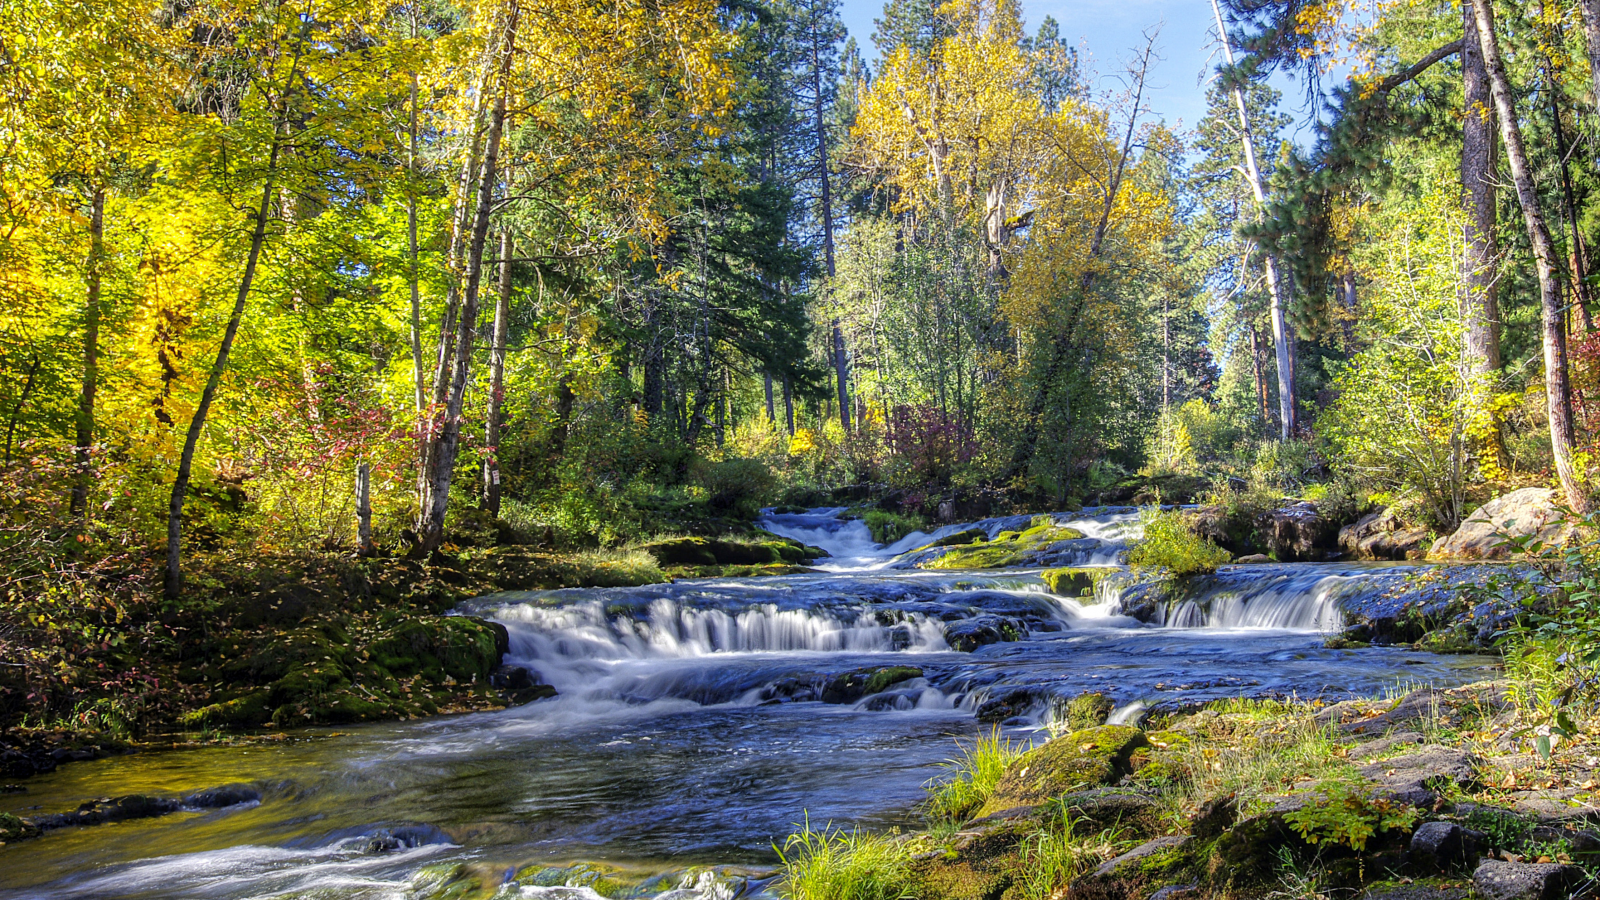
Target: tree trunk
point(825, 201)
point(841, 371)
point(1276, 284)
point(1263, 396)
point(1558, 391)
point(1591, 30)
point(1479, 305)
point(772, 414)
point(91, 355)
point(1577, 258)
point(172, 584)
point(411, 251)
point(497, 381)
point(364, 510)
point(1348, 295)
point(436, 499)
point(788, 406)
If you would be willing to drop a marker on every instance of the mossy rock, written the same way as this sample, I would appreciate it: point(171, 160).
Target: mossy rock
point(607, 881)
point(15, 829)
point(1248, 854)
point(249, 711)
point(852, 686)
point(445, 881)
point(1134, 813)
point(1087, 710)
point(1009, 548)
point(958, 539)
point(701, 551)
point(982, 867)
point(1162, 762)
point(1083, 759)
point(1072, 581)
point(681, 572)
point(1140, 872)
point(461, 648)
point(975, 556)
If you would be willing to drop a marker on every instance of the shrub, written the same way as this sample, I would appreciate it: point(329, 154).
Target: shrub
point(1169, 543)
point(888, 527)
point(737, 487)
point(1349, 816)
point(831, 864)
point(1170, 448)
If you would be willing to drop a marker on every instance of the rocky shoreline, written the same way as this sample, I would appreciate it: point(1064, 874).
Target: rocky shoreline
point(1426, 796)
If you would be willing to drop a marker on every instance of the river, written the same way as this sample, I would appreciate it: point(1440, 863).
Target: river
point(691, 731)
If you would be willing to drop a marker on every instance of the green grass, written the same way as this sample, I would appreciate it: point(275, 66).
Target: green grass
point(833, 864)
point(972, 777)
point(617, 568)
point(1254, 763)
point(1055, 854)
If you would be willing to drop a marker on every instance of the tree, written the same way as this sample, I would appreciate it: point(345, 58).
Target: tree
point(1277, 285)
point(1558, 391)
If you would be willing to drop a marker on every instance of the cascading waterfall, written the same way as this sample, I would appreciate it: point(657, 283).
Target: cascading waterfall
point(696, 720)
point(1282, 596)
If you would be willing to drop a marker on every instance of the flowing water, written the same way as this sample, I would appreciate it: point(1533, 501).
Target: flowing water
point(693, 726)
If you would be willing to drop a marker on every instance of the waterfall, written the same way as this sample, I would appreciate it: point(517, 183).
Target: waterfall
point(1281, 596)
point(670, 629)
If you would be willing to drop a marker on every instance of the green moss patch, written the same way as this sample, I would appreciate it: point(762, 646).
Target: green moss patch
point(969, 549)
point(1072, 581)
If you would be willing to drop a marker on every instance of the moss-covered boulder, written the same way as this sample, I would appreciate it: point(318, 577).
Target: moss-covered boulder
point(409, 665)
point(1083, 759)
point(1135, 813)
point(1138, 873)
point(981, 865)
point(1087, 710)
point(959, 538)
point(251, 710)
point(769, 549)
point(852, 686)
point(441, 649)
point(15, 829)
point(1072, 581)
point(1009, 548)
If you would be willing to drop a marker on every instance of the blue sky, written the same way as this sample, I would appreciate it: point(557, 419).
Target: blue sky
point(1107, 32)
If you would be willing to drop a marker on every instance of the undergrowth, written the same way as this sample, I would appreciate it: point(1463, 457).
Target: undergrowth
point(833, 864)
point(972, 778)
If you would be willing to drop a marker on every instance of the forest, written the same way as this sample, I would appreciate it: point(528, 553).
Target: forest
point(320, 319)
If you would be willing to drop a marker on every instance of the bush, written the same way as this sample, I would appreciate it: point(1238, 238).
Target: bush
point(1169, 543)
point(888, 527)
point(737, 487)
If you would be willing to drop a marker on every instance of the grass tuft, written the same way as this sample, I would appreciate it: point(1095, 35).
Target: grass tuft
point(833, 864)
point(972, 777)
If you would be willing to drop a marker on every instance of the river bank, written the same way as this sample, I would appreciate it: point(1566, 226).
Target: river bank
point(275, 642)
